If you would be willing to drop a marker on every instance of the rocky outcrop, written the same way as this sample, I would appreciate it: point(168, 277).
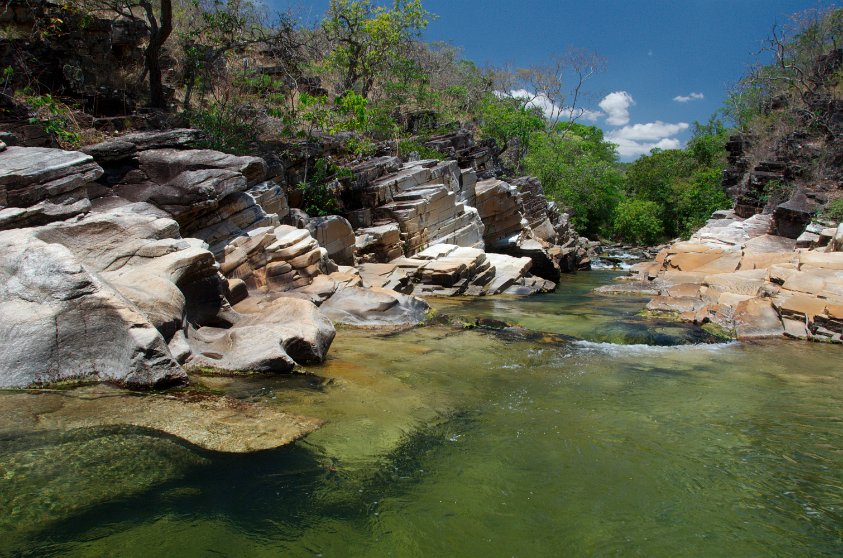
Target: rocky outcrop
point(449, 270)
point(735, 274)
point(152, 254)
point(42, 185)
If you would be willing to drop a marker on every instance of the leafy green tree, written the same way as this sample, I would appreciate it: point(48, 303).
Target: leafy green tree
point(697, 198)
point(511, 124)
point(638, 221)
point(578, 169)
point(366, 38)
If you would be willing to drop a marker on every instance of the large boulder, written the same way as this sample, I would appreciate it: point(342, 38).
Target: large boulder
point(61, 322)
point(271, 336)
point(374, 307)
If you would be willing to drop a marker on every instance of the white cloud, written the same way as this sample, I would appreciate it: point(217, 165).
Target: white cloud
point(582, 114)
point(650, 131)
point(550, 110)
point(639, 139)
point(616, 106)
point(689, 97)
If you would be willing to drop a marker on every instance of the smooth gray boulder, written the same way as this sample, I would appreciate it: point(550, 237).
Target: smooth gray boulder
point(374, 307)
point(59, 321)
point(163, 165)
point(271, 336)
point(139, 253)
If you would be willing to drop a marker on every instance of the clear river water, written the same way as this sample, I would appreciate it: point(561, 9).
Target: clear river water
point(595, 432)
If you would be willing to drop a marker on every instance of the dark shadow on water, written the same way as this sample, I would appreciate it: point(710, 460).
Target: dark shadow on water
point(273, 495)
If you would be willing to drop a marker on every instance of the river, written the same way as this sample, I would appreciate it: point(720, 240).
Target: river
point(592, 432)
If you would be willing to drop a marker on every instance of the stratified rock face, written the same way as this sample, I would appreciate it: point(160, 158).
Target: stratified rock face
point(448, 270)
point(60, 322)
point(753, 284)
point(41, 185)
point(424, 199)
point(500, 210)
point(335, 235)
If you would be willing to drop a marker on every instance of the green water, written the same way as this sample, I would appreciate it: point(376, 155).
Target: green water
point(641, 439)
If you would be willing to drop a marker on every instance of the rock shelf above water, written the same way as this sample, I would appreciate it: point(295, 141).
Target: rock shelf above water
point(143, 255)
point(735, 274)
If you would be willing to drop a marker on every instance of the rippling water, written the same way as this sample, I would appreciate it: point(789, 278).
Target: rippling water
point(637, 437)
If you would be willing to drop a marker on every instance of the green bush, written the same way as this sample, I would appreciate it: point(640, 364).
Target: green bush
point(227, 131)
point(699, 197)
point(834, 210)
point(318, 199)
point(638, 221)
point(405, 147)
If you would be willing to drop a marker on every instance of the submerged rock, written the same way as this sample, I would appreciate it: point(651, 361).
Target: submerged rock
point(210, 422)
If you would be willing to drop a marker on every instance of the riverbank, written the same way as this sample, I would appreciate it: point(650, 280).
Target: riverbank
point(736, 275)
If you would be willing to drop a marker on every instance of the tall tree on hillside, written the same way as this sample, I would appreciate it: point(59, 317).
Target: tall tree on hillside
point(366, 38)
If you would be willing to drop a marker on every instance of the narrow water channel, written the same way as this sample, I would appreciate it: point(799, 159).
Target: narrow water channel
point(591, 432)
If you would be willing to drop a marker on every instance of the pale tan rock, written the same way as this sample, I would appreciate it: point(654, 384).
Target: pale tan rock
point(795, 329)
point(805, 306)
point(824, 260)
point(693, 261)
point(756, 318)
point(748, 282)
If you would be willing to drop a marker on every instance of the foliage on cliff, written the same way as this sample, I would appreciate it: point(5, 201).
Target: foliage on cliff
point(363, 73)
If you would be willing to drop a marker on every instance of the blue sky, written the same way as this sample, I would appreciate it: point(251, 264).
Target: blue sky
point(656, 51)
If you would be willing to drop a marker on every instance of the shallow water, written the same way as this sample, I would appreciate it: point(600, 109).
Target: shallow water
point(637, 438)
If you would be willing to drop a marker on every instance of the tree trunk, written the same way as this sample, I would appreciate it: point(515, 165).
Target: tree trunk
point(157, 37)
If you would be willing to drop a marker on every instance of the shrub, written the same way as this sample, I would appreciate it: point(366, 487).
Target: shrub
point(638, 221)
point(405, 147)
point(318, 198)
point(834, 210)
point(227, 131)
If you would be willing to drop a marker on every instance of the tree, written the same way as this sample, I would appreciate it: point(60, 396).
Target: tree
point(158, 20)
point(366, 38)
point(577, 167)
point(638, 221)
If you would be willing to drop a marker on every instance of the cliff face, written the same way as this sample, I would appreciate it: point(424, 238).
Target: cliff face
point(790, 162)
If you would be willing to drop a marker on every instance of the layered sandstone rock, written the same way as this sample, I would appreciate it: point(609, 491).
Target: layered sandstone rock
point(42, 185)
point(751, 283)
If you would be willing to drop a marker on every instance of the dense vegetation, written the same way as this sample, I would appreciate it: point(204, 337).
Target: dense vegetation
point(364, 73)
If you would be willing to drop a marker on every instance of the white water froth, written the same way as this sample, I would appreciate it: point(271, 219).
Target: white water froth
point(640, 348)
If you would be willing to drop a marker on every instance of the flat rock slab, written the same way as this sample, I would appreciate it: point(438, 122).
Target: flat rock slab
point(214, 423)
point(756, 318)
